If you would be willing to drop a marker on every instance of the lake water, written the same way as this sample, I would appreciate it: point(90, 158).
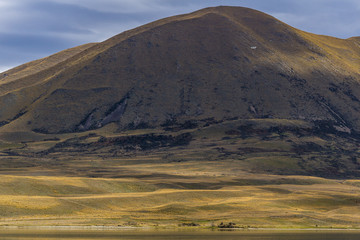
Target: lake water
point(160, 235)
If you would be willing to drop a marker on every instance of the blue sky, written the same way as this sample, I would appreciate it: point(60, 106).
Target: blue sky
point(32, 29)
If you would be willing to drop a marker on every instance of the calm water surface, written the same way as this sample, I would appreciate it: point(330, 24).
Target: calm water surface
point(152, 235)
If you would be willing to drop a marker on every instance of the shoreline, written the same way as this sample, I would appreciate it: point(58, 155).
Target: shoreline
point(171, 229)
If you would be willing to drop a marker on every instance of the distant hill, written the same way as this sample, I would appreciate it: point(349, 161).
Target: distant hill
point(220, 63)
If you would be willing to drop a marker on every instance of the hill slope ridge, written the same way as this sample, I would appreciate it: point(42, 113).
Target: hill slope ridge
point(219, 63)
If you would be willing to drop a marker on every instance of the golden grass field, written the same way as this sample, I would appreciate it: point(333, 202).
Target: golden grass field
point(249, 200)
point(69, 179)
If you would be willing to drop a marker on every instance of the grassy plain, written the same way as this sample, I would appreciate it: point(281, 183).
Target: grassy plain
point(257, 177)
point(250, 200)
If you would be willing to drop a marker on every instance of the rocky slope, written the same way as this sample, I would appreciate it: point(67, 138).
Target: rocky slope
point(219, 63)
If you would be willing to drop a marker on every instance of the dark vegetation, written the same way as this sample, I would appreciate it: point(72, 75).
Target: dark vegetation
point(260, 146)
point(127, 143)
point(191, 224)
point(227, 225)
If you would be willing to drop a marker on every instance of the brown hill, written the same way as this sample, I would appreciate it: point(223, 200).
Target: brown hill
point(219, 63)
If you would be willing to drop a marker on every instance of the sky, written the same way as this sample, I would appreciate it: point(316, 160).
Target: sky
point(32, 29)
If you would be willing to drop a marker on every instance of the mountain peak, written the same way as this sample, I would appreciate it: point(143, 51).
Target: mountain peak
point(219, 63)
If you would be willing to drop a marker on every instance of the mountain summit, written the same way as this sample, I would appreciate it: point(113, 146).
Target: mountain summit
point(217, 63)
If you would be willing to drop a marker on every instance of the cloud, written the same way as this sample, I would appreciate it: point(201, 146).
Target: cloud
point(337, 18)
point(114, 6)
point(16, 49)
point(31, 29)
point(132, 6)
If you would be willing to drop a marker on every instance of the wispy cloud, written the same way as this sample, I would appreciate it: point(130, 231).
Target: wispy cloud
point(337, 18)
point(30, 29)
point(116, 6)
point(4, 68)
